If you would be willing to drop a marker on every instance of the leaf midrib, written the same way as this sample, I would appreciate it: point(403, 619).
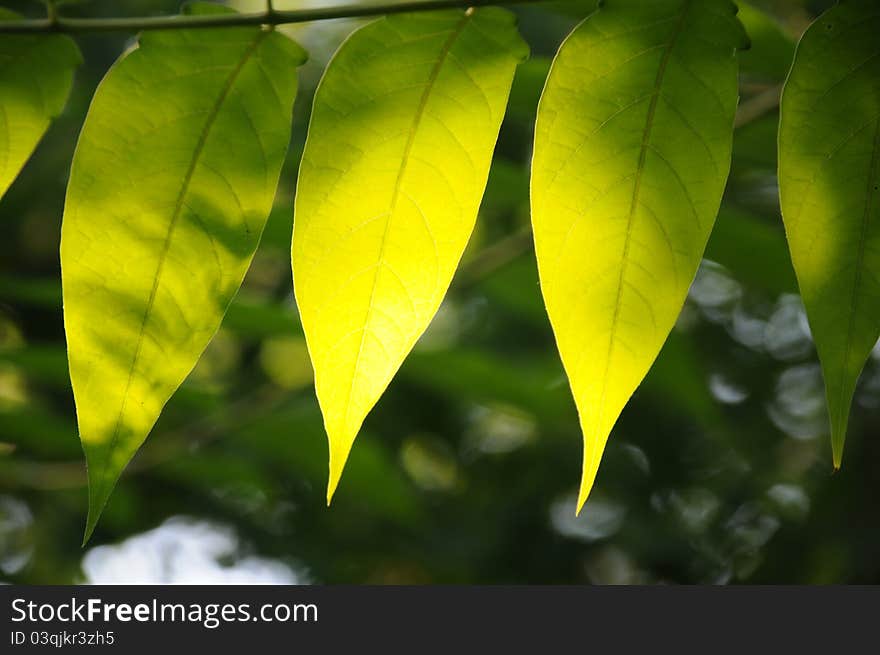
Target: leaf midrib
point(163, 255)
point(643, 154)
point(410, 142)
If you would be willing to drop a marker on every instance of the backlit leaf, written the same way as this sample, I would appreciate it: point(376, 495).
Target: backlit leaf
point(401, 138)
point(632, 151)
point(36, 73)
point(829, 173)
point(173, 178)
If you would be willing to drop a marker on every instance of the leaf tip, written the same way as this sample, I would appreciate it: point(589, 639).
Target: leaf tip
point(100, 490)
point(839, 422)
point(583, 495)
point(332, 483)
point(338, 457)
point(593, 448)
point(837, 458)
point(91, 522)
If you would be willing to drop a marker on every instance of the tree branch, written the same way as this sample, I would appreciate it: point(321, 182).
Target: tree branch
point(269, 17)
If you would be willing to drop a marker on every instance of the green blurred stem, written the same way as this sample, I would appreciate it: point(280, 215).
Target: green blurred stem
point(60, 475)
point(269, 17)
point(758, 105)
point(493, 257)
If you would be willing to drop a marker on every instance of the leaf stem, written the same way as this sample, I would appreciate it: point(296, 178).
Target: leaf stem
point(51, 12)
point(271, 16)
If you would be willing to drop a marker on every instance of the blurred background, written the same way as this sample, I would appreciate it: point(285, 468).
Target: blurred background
point(719, 470)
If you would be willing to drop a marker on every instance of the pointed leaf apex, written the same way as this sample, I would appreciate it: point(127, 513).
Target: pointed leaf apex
point(838, 433)
point(331, 487)
point(584, 492)
point(98, 497)
point(90, 528)
point(838, 458)
point(92, 519)
point(339, 451)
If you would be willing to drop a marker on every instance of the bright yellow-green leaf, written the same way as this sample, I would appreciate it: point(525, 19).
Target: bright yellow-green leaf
point(398, 152)
point(829, 174)
point(173, 178)
point(36, 73)
point(632, 151)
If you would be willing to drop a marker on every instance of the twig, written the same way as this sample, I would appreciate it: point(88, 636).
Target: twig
point(269, 17)
point(493, 257)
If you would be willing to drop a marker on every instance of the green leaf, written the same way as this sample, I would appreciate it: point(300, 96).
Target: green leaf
point(36, 74)
point(173, 178)
point(632, 152)
point(829, 173)
point(401, 137)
